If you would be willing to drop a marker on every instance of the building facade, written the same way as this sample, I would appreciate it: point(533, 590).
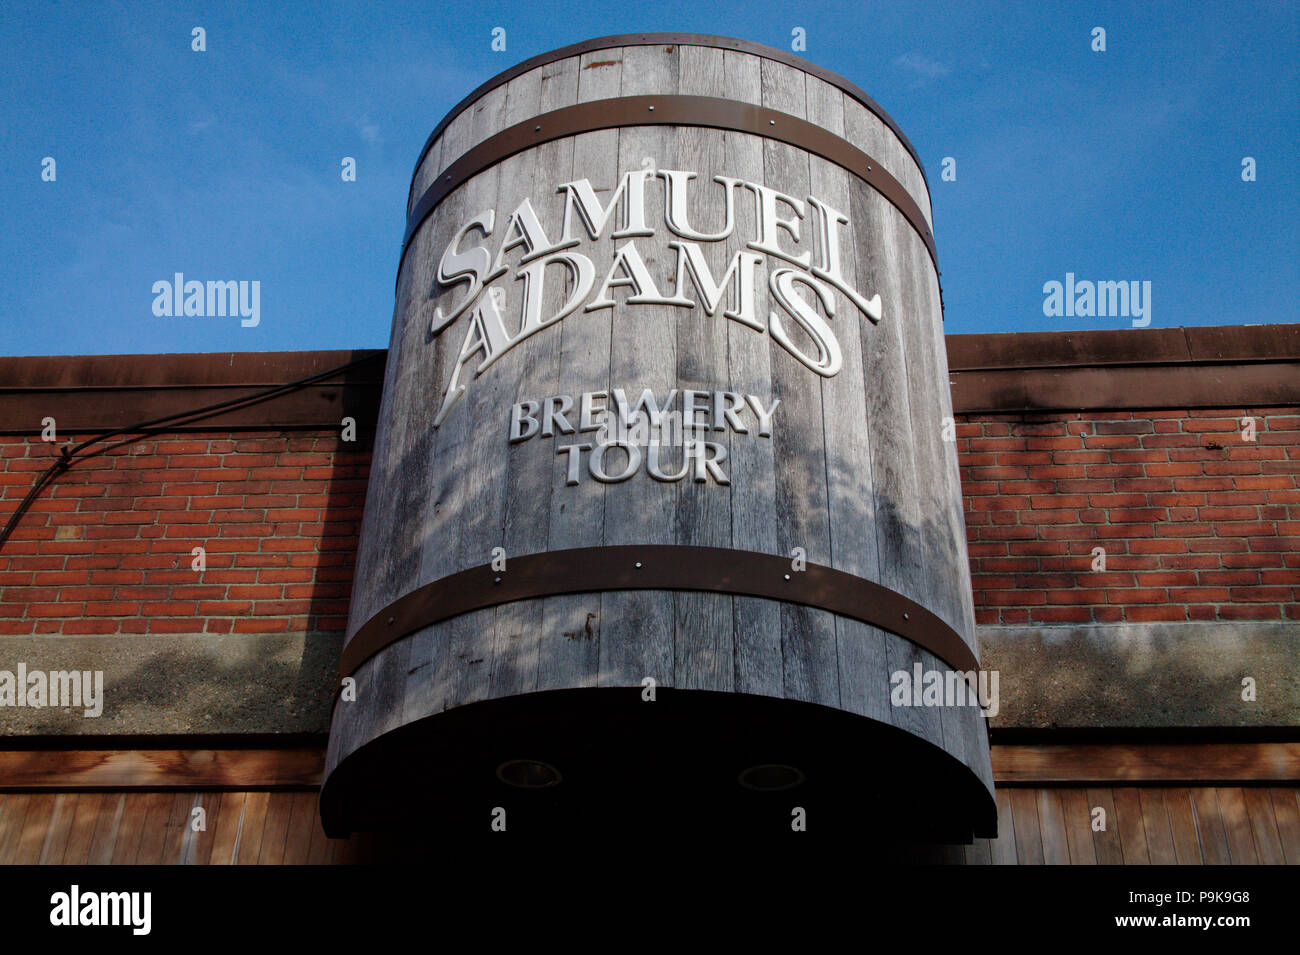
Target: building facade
point(669, 508)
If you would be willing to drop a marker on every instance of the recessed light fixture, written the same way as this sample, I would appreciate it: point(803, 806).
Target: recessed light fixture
point(770, 777)
point(528, 774)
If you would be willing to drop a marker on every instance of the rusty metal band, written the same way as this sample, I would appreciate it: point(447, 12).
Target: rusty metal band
point(657, 567)
point(673, 110)
point(669, 39)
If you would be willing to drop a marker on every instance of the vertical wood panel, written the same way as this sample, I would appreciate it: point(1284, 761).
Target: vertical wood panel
point(107, 827)
point(249, 846)
point(1286, 810)
point(1052, 825)
point(276, 830)
point(225, 837)
point(1236, 825)
point(196, 847)
point(1107, 842)
point(757, 623)
point(810, 670)
point(155, 811)
point(1155, 823)
point(303, 823)
point(1128, 820)
point(1263, 826)
point(702, 652)
point(1209, 826)
point(1077, 817)
point(1182, 824)
point(127, 844)
point(1029, 839)
point(88, 810)
point(979, 852)
point(1004, 846)
point(56, 831)
point(13, 814)
point(637, 626)
point(571, 634)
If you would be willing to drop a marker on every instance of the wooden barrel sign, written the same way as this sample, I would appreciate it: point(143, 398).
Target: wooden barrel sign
point(664, 519)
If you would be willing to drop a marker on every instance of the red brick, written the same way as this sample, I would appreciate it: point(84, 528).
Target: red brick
point(1167, 578)
point(1134, 426)
point(1061, 615)
point(1229, 513)
point(1149, 614)
point(100, 626)
point(1265, 483)
point(1079, 596)
point(1193, 594)
point(54, 610)
point(1139, 595)
point(1229, 577)
point(176, 625)
point(1124, 470)
point(1249, 612)
point(112, 608)
point(1171, 441)
point(1204, 425)
point(1245, 529)
point(1260, 594)
point(1015, 598)
point(261, 625)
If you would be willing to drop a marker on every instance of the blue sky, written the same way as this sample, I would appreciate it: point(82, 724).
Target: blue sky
point(225, 164)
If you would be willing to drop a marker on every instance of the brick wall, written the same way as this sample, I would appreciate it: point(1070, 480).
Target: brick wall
point(107, 548)
point(1196, 522)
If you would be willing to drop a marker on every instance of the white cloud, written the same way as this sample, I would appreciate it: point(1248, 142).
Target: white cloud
point(923, 66)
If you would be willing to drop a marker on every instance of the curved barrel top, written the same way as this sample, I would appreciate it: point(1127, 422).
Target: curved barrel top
point(673, 39)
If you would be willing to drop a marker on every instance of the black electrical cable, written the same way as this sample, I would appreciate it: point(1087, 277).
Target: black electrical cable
point(68, 456)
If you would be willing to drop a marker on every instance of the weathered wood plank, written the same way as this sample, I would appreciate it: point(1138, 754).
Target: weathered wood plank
point(89, 807)
point(155, 812)
point(108, 825)
point(303, 823)
point(1286, 810)
point(251, 827)
point(1152, 762)
point(1209, 826)
point(126, 847)
point(756, 623)
point(569, 642)
point(1263, 826)
point(703, 652)
point(1052, 827)
point(1182, 825)
point(229, 821)
point(57, 829)
point(1077, 817)
point(1128, 820)
point(1029, 837)
point(13, 813)
point(1236, 825)
point(637, 626)
point(979, 852)
point(1107, 842)
point(1155, 823)
point(144, 768)
point(1004, 846)
point(196, 846)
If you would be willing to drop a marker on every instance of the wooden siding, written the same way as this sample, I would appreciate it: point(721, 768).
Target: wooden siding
point(1053, 826)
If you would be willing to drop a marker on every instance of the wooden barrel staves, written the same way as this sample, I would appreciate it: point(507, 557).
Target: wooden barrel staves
point(664, 517)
